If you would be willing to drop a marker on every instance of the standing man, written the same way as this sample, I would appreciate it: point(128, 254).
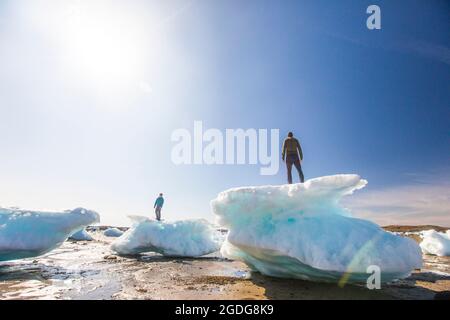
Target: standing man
point(158, 206)
point(291, 150)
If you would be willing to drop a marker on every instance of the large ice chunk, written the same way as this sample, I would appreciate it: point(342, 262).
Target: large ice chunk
point(186, 238)
point(25, 234)
point(436, 243)
point(300, 231)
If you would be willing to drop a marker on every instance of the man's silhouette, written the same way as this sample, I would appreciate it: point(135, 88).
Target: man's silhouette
point(291, 151)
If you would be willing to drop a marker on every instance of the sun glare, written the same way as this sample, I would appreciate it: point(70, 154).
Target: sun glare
point(105, 47)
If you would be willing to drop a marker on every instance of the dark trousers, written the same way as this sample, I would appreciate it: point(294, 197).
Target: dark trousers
point(292, 159)
point(158, 213)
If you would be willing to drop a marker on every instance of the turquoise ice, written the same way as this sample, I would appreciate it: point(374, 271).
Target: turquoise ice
point(113, 232)
point(25, 234)
point(301, 231)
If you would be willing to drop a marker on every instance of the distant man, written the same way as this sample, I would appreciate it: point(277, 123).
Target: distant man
point(158, 206)
point(291, 151)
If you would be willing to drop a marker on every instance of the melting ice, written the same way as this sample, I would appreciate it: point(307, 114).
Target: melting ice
point(436, 243)
point(113, 232)
point(25, 234)
point(81, 235)
point(300, 231)
point(186, 238)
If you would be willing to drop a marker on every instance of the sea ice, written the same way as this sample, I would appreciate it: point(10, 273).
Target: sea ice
point(300, 231)
point(436, 243)
point(113, 232)
point(186, 238)
point(81, 235)
point(25, 234)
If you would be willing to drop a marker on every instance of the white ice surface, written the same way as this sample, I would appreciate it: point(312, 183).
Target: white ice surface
point(25, 233)
point(436, 243)
point(186, 238)
point(300, 231)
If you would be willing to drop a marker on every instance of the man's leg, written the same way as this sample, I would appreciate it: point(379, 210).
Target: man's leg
point(158, 213)
point(298, 166)
point(289, 169)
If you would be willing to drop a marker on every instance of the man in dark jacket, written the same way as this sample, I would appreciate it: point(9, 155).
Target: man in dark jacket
point(291, 151)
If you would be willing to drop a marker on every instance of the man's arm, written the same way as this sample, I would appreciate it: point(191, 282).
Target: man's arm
point(154, 206)
point(300, 150)
point(283, 149)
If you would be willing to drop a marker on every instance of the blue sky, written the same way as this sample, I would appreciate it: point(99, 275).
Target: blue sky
point(90, 92)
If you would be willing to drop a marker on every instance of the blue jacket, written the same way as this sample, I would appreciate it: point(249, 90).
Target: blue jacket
point(159, 202)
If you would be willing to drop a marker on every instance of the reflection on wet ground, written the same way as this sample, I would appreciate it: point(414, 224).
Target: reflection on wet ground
point(72, 271)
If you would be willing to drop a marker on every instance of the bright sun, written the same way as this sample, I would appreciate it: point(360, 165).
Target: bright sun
point(104, 47)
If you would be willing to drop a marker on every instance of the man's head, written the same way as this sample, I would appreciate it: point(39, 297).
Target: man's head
point(290, 134)
point(160, 194)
